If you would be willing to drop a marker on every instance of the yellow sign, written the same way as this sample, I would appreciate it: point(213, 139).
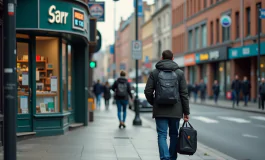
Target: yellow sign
point(204, 56)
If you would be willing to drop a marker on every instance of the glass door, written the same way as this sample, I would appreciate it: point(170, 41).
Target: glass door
point(24, 89)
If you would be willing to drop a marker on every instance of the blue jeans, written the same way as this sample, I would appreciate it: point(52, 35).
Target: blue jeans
point(98, 97)
point(122, 106)
point(195, 97)
point(246, 97)
point(235, 98)
point(162, 125)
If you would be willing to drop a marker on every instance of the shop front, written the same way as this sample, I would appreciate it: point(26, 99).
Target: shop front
point(213, 67)
point(190, 68)
point(52, 65)
point(243, 62)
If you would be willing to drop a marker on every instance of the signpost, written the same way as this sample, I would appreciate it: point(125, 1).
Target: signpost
point(97, 9)
point(137, 50)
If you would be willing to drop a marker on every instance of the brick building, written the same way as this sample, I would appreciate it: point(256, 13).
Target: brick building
point(209, 51)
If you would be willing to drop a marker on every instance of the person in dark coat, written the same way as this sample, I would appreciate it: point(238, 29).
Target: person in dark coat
point(168, 116)
point(246, 86)
point(196, 89)
point(107, 94)
point(190, 88)
point(262, 92)
point(98, 90)
point(203, 90)
point(216, 91)
point(236, 88)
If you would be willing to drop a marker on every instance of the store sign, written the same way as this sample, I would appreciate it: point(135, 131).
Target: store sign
point(78, 19)
point(57, 16)
point(189, 60)
point(97, 9)
point(246, 51)
point(218, 54)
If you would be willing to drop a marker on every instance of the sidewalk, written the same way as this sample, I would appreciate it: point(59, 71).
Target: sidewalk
point(102, 140)
point(252, 107)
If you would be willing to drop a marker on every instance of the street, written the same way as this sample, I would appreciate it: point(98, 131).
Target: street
point(235, 133)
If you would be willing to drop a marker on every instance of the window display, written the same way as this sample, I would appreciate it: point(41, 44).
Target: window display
point(64, 78)
point(47, 75)
point(69, 77)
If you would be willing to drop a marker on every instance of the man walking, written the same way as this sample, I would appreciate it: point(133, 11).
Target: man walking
point(236, 87)
point(98, 90)
point(262, 92)
point(122, 90)
point(216, 91)
point(246, 86)
point(203, 90)
point(170, 103)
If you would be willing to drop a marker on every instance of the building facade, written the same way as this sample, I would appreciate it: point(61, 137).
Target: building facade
point(212, 52)
point(52, 65)
point(162, 28)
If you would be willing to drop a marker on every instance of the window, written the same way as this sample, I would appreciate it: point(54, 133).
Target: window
point(205, 3)
point(237, 25)
point(226, 33)
point(258, 6)
point(204, 35)
point(69, 77)
point(47, 75)
point(217, 31)
point(248, 11)
point(64, 76)
point(197, 38)
point(190, 40)
point(211, 39)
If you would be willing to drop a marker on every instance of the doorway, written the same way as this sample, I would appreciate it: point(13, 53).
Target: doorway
point(24, 89)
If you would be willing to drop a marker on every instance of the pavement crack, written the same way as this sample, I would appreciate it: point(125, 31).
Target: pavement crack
point(82, 150)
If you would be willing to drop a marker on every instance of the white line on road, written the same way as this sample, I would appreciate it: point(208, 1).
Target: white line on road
point(238, 120)
point(205, 119)
point(258, 118)
point(249, 136)
point(260, 126)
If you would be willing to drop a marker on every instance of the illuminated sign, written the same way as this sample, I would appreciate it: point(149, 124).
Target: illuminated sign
point(57, 16)
point(78, 19)
point(204, 56)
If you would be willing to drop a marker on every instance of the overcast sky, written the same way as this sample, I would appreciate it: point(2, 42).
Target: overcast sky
point(124, 8)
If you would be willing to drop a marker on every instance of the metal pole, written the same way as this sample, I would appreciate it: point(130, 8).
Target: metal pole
point(137, 120)
point(259, 74)
point(114, 50)
point(10, 80)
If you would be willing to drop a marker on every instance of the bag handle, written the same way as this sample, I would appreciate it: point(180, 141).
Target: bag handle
point(183, 125)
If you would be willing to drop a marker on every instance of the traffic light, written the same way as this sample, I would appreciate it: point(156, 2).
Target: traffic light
point(92, 64)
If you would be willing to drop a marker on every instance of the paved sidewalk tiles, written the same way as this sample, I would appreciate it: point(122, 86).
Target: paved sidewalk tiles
point(103, 140)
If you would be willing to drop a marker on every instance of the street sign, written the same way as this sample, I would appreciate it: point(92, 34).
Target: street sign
point(137, 50)
point(262, 13)
point(97, 9)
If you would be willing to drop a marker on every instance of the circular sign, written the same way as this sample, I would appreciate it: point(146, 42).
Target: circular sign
point(226, 21)
point(97, 10)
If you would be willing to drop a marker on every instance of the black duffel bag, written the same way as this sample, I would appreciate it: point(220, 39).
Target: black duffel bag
point(187, 140)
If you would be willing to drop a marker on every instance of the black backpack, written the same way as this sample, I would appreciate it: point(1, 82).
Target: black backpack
point(167, 87)
point(121, 90)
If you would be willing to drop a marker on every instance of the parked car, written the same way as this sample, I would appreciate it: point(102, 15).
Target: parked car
point(143, 104)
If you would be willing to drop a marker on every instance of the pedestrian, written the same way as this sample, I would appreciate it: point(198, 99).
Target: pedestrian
point(97, 89)
point(203, 90)
point(107, 94)
point(262, 92)
point(216, 91)
point(236, 87)
point(190, 88)
point(195, 91)
point(246, 86)
point(170, 102)
point(122, 90)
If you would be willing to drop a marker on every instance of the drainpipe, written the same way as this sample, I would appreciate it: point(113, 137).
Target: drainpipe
point(242, 22)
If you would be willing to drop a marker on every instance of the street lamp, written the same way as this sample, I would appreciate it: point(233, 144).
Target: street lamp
point(114, 50)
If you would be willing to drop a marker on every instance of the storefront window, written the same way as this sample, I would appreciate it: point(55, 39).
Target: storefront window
point(228, 79)
point(69, 77)
point(47, 75)
point(221, 78)
point(64, 78)
point(193, 74)
point(204, 73)
point(262, 67)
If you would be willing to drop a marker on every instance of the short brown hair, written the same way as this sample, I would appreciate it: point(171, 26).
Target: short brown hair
point(122, 74)
point(167, 54)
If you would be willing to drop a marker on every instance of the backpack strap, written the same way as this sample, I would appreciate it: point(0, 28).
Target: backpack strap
point(157, 71)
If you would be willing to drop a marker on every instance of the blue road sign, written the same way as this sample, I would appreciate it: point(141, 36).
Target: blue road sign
point(140, 7)
point(262, 13)
point(97, 9)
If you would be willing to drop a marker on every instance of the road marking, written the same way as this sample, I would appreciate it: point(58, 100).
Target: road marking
point(258, 118)
point(260, 126)
point(238, 120)
point(249, 136)
point(205, 119)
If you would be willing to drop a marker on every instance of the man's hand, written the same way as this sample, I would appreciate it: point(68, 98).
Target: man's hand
point(186, 118)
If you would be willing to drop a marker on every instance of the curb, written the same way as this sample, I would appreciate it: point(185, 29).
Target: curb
point(202, 147)
point(217, 106)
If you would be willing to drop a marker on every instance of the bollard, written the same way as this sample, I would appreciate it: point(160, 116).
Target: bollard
point(91, 108)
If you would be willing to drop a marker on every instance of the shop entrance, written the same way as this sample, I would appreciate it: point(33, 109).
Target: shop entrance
point(24, 83)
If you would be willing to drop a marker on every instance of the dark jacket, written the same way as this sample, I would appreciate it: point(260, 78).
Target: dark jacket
point(262, 89)
point(216, 89)
point(190, 89)
point(236, 85)
point(196, 88)
point(97, 89)
point(246, 87)
point(202, 87)
point(173, 111)
point(115, 85)
point(107, 93)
